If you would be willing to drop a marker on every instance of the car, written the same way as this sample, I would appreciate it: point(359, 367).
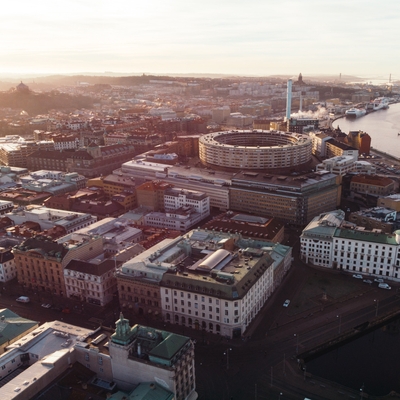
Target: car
point(23, 299)
point(384, 286)
point(66, 310)
point(46, 305)
point(367, 281)
point(379, 280)
point(357, 276)
point(286, 303)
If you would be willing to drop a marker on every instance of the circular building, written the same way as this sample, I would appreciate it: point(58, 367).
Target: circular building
point(255, 150)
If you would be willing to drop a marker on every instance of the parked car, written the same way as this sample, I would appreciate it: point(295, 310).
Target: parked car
point(286, 303)
point(379, 280)
point(46, 305)
point(23, 299)
point(357, 276)
point(384, 286)
point(66, 310)
point(367, 281)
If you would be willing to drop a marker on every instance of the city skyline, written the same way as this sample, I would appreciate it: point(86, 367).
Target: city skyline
point(233, 37)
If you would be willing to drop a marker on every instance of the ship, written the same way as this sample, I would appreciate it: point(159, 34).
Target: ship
point(379, 103)
point(355, 112)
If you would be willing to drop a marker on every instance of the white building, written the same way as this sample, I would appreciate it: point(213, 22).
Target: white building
point(175, 198)
point(221, 280)
point(7, 265)
point(6, 206)
point(341, 165)
point(331, 242)
point(65, 142)
point(181, 219)
point(214, 183)
point(117, 233)
point(164, 112)
point(54, 182)
point(48, 217)
point(90, 281)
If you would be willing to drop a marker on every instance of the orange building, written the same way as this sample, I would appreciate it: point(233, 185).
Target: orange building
point(151, 194)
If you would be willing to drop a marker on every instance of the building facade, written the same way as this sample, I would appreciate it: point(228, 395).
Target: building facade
point(328, 241)
point(91, 282)
point(216, 282)
point(254, 150)
point(40, 262)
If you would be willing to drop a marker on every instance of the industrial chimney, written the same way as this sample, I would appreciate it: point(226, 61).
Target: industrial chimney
point(289, 99)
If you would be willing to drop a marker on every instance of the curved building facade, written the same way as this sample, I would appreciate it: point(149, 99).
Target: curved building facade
point(255, 149)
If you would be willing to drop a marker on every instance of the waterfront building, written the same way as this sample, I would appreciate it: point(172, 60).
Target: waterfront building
point(331, 242)
point(335, 148)
point(359, 140)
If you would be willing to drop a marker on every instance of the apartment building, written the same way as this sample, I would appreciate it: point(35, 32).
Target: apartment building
point(8, 270)
point(91, 281)
point(40, 262)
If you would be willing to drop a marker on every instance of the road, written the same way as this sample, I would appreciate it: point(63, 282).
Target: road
point(260, 367)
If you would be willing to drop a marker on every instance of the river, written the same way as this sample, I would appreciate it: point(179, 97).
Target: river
point(383, 126)
point(370, 361)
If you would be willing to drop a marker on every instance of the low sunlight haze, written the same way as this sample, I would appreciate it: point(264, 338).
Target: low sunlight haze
point(230, 37)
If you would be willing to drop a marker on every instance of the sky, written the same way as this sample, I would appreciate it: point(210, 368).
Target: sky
point(252, 37)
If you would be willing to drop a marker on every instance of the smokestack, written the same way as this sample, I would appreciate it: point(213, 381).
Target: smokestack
point(288, 99)
point(301, 103)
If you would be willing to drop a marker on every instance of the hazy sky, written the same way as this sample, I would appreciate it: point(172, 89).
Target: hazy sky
point(253, 37)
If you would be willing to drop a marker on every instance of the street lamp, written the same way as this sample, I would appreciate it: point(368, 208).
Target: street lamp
point(361, 392)
point(376, 307)
point(280, 394)
point(340, 322)
point(227, 357)
point(297, 343)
